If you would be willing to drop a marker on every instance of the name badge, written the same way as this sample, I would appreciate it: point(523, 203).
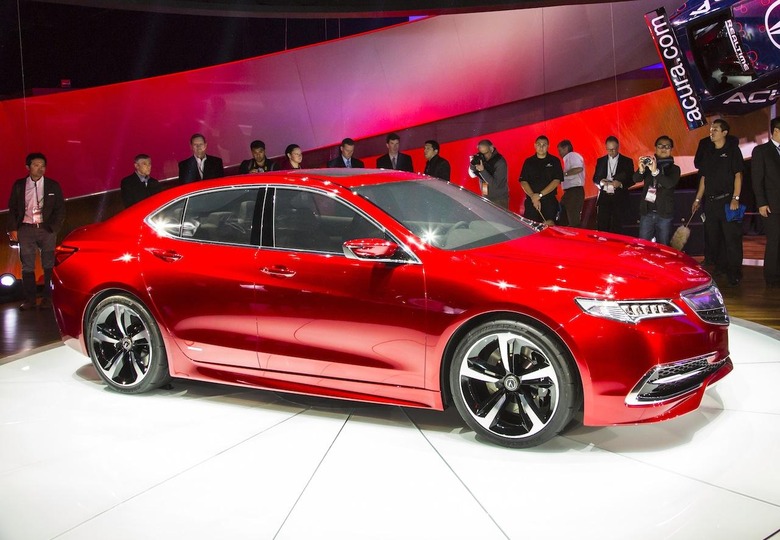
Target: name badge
point(651, 194)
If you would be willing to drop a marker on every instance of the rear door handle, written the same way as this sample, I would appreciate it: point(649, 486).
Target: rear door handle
point(278, 271)
point(168, 255)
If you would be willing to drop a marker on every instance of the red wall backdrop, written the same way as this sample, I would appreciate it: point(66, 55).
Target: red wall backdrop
point(637, 122)
point(408, 75)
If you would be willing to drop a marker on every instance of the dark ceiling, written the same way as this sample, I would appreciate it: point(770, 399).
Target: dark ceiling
point(316, 8)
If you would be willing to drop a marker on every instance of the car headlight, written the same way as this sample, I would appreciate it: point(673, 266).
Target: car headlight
point(628, 311)
point(708, 304)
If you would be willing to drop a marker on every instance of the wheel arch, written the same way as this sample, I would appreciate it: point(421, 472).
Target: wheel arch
point(483, 318)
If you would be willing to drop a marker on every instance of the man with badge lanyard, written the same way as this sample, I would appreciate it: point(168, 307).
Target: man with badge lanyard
point(613, 178)
point(36, 212)
point(660, 176)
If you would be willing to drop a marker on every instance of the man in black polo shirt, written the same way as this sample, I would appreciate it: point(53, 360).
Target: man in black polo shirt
point(539, 178)
point(720, 185)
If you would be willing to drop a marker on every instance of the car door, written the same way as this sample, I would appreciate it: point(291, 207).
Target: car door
point(200, 270)
point(324, 315)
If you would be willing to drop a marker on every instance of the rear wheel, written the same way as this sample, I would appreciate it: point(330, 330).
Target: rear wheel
point(125, 345)
point(513, 384)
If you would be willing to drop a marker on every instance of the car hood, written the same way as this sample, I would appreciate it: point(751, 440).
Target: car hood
point(589, 263)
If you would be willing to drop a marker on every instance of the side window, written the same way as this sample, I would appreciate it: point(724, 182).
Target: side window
point(304, 220)
point(224, 216)
point(168, 220)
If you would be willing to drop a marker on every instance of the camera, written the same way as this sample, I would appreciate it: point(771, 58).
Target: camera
point(476, 159)
point(646, 160)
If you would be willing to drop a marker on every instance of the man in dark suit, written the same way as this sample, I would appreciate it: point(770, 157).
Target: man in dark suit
point(766, 186)
point(199, 166)
point(435, 165)
point(345, 158)
point(394, 159)
point(139, 185)
point(36, 212)
point(613, 176)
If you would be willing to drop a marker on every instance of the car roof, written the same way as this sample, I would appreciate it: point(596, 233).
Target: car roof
point(348, 178)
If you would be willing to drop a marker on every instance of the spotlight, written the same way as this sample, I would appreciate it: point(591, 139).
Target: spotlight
point(7, 280)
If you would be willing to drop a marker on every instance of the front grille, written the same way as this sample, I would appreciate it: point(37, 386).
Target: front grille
point(670, 381)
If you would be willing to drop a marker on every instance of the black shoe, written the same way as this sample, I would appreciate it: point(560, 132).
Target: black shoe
point(45, 303)
point(26, 306)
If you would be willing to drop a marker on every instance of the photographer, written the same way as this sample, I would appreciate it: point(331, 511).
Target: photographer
point(660, 176)
point(490, 168)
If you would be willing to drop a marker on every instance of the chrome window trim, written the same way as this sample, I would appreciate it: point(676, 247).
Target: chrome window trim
point(413, 259)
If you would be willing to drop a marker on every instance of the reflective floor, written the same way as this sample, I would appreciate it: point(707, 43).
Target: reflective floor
point(78, 461)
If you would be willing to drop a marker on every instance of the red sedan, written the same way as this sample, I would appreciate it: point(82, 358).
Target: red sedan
point(391, 288)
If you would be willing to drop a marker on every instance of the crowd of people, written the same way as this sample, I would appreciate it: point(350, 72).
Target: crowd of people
point(37, 206)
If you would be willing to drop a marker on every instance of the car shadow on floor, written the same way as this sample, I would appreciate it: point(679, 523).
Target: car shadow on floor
point(622, 439)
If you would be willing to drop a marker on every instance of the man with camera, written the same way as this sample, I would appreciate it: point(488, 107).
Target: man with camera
point(491, 169)
point(540, 176)
point(660, 176)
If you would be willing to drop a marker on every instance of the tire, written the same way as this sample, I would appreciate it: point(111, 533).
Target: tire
point(125, 345)
point(521, 400)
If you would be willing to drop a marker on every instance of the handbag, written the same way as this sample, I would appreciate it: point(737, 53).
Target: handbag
point(735, 215)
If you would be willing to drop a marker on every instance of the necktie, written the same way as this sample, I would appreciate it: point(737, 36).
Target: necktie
point(349, 164)
point(200, 168)
point(394, 161)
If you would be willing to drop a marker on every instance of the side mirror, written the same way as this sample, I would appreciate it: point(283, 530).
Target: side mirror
point(370, 249)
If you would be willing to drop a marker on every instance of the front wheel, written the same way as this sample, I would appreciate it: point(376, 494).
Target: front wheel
point(513, 384)
point(125, 345)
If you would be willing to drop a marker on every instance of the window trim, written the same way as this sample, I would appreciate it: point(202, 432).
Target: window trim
point(186, 198)
point(268, 221)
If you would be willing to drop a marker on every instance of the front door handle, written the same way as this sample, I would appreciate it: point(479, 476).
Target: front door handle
point(278, 271)
point(168, 255)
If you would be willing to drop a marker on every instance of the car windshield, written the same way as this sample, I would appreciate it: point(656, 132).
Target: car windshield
point(446, 216)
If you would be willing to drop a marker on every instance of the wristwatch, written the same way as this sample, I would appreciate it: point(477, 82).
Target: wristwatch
point(735, 197)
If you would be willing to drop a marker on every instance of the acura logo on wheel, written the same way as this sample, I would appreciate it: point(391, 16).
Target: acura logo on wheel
point(772, 23)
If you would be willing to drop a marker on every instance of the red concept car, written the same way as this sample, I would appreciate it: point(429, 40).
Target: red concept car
point(391, 288)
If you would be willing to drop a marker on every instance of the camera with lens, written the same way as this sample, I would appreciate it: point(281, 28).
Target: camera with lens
point(646, 160)
point(476, 159)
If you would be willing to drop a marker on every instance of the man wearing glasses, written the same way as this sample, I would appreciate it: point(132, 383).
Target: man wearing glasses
point(613, 176)
point(660, 176)
point(720, 186)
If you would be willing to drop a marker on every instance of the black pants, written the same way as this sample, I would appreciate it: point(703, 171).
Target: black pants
point(549, 209)
point(610, 212)
point(571, 203)
point(32, 240)
point(723, 237)
point(772, 254)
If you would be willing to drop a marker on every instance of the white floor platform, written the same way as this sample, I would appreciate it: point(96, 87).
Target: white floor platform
point(78, 461)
